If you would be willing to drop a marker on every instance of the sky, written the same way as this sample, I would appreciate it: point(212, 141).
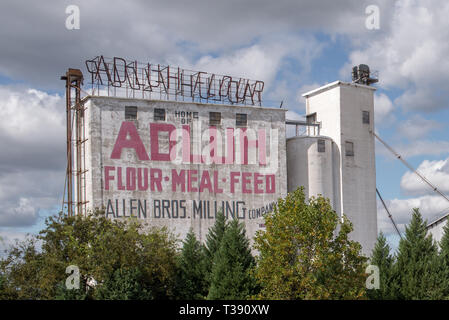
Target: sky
point(293, 46)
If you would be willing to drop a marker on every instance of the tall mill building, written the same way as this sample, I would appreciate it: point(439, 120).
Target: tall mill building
point(176, 162)
point(338, 159)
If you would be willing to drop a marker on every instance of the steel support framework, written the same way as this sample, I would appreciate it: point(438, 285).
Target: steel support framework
point(75, 145)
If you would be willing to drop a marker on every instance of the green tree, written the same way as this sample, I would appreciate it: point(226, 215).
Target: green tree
point(382, 258)
point(417, 269)
point(231, 276)
point(213, 241)
point(444, 262)
point(305, 252)
point(62, 293)
point(5, 294)
point(98, 246)
point(215, 235)
point(191, 281)
point(124, 284)
point(22, 269)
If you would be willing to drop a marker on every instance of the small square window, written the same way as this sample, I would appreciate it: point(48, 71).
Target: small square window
point(130, 113)
point(365, 117)
point(349, 148)
point(311, 118)
point(214, 118)
point(321, 145)
point(241, 119)
point(159, 114)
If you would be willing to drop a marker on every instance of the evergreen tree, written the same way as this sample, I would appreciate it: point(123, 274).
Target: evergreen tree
point(444, 262)
point(382, 258)
point(213, 241)
point(231, 276)
point(123, 284)
point(191, 282)
point(416, 269)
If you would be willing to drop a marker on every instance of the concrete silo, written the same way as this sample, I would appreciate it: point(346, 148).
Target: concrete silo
point(339, 163)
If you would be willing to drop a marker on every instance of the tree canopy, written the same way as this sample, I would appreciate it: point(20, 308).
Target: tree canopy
point(231, 276)
point(191, 278)
point(104, 250)
point(306, 253)
point(417, 267)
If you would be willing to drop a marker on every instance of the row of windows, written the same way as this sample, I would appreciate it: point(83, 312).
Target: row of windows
point(349, 147)
point(241, 119)
point(215, 117)
point(311, 118)
point(131, 113)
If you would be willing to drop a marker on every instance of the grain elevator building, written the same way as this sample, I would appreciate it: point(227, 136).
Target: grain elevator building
point(177, 163)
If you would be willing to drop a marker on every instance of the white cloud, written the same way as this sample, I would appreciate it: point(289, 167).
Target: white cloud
point(437, 172)
point(266, 61)
point(414, 148)
point(417, 127)
point(430, 204)
point(159, 31)
point(292, 115)
point(424, 147)
point(413, 54)
point(383, 108)
point(21, 214)
point(304, 89)
point(32, 161)
point(255, 62)
point(431, 208)
point(31, 116)
point(9, 238)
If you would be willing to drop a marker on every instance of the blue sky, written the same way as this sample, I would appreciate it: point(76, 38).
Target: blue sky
point(294, 46)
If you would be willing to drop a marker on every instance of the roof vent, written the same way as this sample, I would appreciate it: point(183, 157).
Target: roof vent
point(361, 74)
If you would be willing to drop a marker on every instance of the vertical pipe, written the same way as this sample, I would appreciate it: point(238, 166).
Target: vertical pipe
point(78, 124)
point(69, 145)
point(73, 78)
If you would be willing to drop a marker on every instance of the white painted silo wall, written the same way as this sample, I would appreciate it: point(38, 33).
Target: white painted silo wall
point(339, 108)
point(309, 168)
point(298, 163)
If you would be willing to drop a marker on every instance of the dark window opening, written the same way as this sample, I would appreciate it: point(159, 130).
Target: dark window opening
point(214, 118)
point(321, 145)
point(349, 148)
point(159, 114)
point(241, 119)
point(365, 117)
point(130, 113)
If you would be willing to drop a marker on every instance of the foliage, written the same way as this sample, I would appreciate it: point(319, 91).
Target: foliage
point(101, 248)
point(5, 294)
point(382, 258)
point(444, 262)
point(304, 256)
point(62, 293)
point(213, 241)
point(417, 269)
point(304, 253)
point(124, 284)
point(232, 263)
point(191, 280)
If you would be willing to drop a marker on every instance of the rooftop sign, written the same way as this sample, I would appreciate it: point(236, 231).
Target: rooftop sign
point(117, 76)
